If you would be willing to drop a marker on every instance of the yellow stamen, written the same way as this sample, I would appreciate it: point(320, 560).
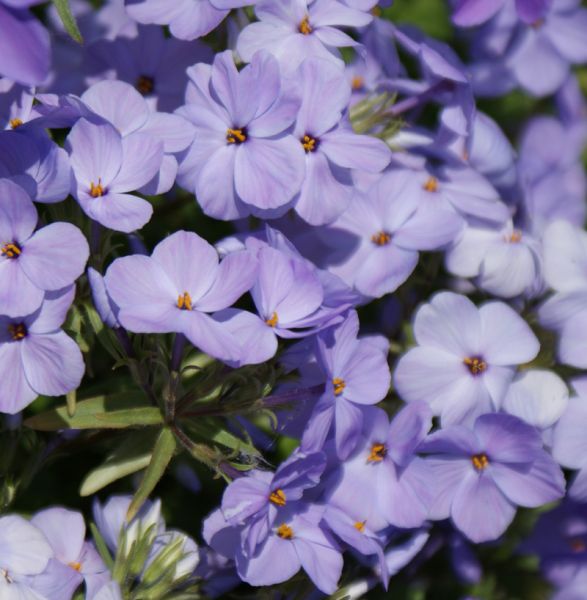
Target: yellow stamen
point(339, 385)
point(184, 301)
point(577, 545)
point(515, 236)
point(476, 365)
point(309, 143)
point(285, 532)
point(96, 190)
point(76, 566)
point(278, 497)
point(236, 136)
point(14, 123)
point(381, 239)
point(378, 453)
point(431, 184)
point(376, 11)
point(305, 26)
point(480, 461)
point(272, 322)
point(11, 250)
point(145, 84)
point(537, 24)
point(357, 82)
point(360, 526)
point(18, 331)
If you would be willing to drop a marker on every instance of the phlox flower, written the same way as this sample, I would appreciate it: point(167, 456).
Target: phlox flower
point(24, 551)
point(257, 500)
point(36, 356)
point(383, 482)
point(34, 262)
point(356, 374)
point(243, 159)
point(25, 49)
point(506, 262)
point(175, 288)
point(298, 539)
point(75, 561)
point(466, 356)
point(482, 473)
point(468, 13)
point(293, 30)
point(331, 147)
point(106, 167)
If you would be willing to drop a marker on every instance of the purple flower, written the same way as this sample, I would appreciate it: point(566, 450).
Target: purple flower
point(536, 57)
point(175, 288)
point(468, 13)
point(357, 374)
point(157, 68)
point(25, 50)
point(569, 443)
point(376, 241)
point(187, 19)
point(293, 30)
point(383, 482)
point(242, 160)
point(123, 106)
point(257, 500)
point(74, 560)
point(24, 551)
point(505, 262)
point(106, 166)
point(32, 263)
point(465, 358)
point(36, 356)
point(331, 147)
point(31, 159)
point(482, 473)
point(297, 540)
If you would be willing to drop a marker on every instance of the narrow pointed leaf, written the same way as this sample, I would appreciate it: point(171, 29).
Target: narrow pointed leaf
point(68, 19)
point(162, 454)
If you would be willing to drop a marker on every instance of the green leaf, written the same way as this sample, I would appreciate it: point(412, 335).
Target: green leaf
point(101, 546)
point(129, 457)
point(68, 19)
point(211, 430)
point(162, 454)
point(115, 411)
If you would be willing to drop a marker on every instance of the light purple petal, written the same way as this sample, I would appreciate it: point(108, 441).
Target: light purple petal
point(18, 215)
point(208, 335)
point(23, 548)
point(16, 391)
point(55, 256)
point(352, 151)
point(119, 212)
point(18, 294)
point(142, 155)
point(64, 529)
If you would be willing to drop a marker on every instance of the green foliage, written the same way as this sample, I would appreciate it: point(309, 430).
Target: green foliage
point(68, 19)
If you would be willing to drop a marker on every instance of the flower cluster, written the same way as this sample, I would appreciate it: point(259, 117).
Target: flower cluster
point(280, 242)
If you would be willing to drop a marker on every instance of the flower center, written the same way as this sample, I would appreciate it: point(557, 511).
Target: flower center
point(272, 321)
point(339, 386)
point(378, 453)
point(360, 526)
point(4, 573)
point(431, 184)
point(382, 238)
point(236, 136)
point(476, 365)
point(11, 250)
point(305, 26)
point(145, 85)
point(309, 143)
point(14, 123)
point(515, 236)
point(358, 82)
point(278, 497)
point(17, 331)
point(577, 545)
point(76, 566)
point(285, 532)
point(184, 301)
point(96, 190)
point(480, 461)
